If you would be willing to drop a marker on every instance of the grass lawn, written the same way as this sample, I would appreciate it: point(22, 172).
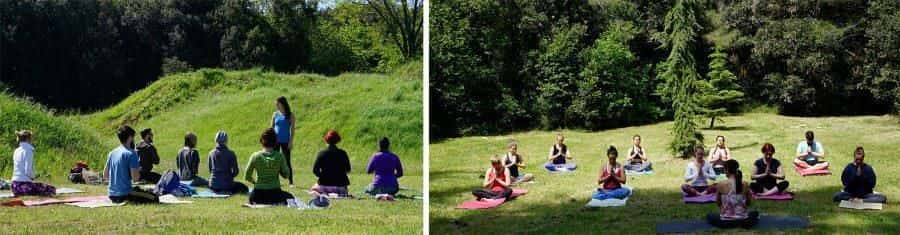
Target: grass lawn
point(362, 107)
point(555, 202)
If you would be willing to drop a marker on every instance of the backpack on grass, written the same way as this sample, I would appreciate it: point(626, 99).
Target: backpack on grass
point(168, 183)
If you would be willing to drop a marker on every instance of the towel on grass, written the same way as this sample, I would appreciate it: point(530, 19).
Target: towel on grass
point(860, 205)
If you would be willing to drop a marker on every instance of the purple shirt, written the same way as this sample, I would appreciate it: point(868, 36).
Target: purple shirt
point(387, 169)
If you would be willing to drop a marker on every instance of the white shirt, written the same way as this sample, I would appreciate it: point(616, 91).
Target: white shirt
point(23, 163)
point(692, 173)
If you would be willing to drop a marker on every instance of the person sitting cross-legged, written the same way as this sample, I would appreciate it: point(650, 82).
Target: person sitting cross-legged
point(733, 198)
point(611, 178)
point(698, 174)
point(859, 181)
point(496, 182)
point(810, 154)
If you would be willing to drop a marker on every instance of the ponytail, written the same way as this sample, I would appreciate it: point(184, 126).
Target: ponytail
point(731, 167)
point(739, 183)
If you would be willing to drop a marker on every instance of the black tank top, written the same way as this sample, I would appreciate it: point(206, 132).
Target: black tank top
point(514, 169)
point(562, 158)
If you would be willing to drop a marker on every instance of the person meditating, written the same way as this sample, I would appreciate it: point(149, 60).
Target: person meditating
point(122, 168)
point(559, 153)
point(859, 181)
point(332, 166)
point(766, 172)
point(611, 178)
point(637, 157)
point(496, 182)
point(733, 198)
point(147, 157)
point(23, 169)
point(266, 165)
point(188, 161)
point(719, 154)
point(697, 175)
point(387, 168)
point(810, 154)
point(513, 161)
point(223, 167)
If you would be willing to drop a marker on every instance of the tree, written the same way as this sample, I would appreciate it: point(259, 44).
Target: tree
point(882, 65)
point(681, 76)
point(720, 93)
point(556, 65)
point(402, 21)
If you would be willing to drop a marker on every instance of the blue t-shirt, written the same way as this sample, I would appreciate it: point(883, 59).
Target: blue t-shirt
point(282, 127)
point(119, 164)
point(802, 147)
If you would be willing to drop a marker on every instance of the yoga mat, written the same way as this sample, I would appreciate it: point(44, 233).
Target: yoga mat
point(209, 194)
point(708, 198)
point(647, 172)
point(67, 200)
point(257, 206)
point(562, 167)
point(6, 195)
point(765, 223)
point(811, 173)
point(171, 199)
point(777, 196)
point(859, 205)
point(490, 203)
point(96, 204)
point(483, 204)
point(67, 190)
point(612, 202)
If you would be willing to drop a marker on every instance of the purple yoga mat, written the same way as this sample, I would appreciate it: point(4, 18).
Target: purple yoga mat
point(708, 198)
point(777, 196)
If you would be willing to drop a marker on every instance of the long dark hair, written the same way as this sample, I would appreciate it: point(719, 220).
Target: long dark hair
point(287, 108)
point(731, 167)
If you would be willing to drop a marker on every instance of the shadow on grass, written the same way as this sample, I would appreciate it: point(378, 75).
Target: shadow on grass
point(646, 208)
point(726, 128)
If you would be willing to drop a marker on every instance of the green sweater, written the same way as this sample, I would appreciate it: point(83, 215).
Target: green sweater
point(267, 165)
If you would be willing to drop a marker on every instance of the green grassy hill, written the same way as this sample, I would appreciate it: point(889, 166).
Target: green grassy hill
point(362, 107)
point(555, 202)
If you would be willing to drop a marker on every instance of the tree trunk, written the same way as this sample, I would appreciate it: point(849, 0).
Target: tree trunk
point(712, 122)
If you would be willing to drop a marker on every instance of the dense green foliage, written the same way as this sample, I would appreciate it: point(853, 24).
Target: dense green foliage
point(512, 65)
point(91, 54)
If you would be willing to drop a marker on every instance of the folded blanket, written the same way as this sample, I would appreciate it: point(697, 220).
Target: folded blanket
point(777, 196)
point(803, 172)
point(209, 194)
point(6, 195)
point(860, 205)
point(765, 223)
point(257, 206)
point(612, 202)
point(486, 203)
point(707, 198)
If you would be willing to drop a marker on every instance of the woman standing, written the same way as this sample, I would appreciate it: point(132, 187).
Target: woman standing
point(283, 123)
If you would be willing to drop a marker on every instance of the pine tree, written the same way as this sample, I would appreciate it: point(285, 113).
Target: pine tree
point(721, 92)
point(680, 74)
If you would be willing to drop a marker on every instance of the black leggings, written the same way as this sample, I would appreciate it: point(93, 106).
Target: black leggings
point(137, 195)
point(716, 220)
point(284, 149)
point(481, 193)
point(269, 196)
point(758, 187)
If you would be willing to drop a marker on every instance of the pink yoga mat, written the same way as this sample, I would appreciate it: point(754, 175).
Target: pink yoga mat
point(490, 203)
point(814, 172)
point(483, 204)
point(782, 196)
point(67, 200)
point(708, 198)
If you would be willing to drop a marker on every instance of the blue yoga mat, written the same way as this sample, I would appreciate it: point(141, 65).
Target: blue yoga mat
point(765, 223)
